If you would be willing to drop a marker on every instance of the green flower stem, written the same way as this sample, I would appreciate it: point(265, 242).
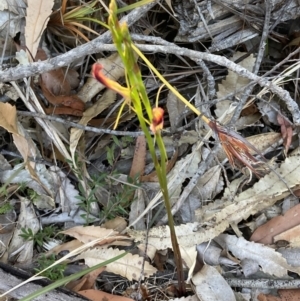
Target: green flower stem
point(140, 102)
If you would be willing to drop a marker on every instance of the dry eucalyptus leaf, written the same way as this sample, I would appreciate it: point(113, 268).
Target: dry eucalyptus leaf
point(209, 285)
point(137, 207)
point(10, 25)
point(26, 147)
point(67, 246)
point(246, 121)
point(188, 255)
point(7, 227)
point(269, 109)
point(249, 267)
point(286, 132)
point(265, 233)
point(66, 195)
point(37, 16)
point(87, 234)
point(18, 245)
point(129, 266)
point(291, 255)
point(292, 236)
point(113, 68)
point(8, 117)
point(96, 295)
point(209, 185)
point(88, 281)
point(284, 295)
point(118, 224)
point(209, 253)
point(268, 259)
point(175, 108)
point(139, 158)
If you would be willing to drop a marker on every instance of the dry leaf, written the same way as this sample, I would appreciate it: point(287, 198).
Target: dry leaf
point(57, 86)
point(118, 224)
point(209, 285)
point(129, 266)
point(67, 246)
point(8, 120)
point(137, 207)
point(7, 227)
point(285, 295)
point(8, 117)
point(113, 68)
point(86, 282)
point(175, 109)
point(18, 245)
point(90, 233)
point(37, 16)
point(188, 255)
point(270, 110)
point(208, 185)
point(286, 132)
point(265, 233)
point(291, 235)
point(268, 259)
point(96, 295)
point(139, 158)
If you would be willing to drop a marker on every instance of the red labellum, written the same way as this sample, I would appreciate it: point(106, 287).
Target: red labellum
point(107, 82)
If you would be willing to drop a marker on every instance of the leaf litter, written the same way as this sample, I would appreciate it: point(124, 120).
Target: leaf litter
point(223, 223)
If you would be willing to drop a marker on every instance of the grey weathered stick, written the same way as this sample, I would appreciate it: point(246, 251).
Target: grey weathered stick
point(220, 60)
point(67, 58)
point(264, 283)
point(92, 47)
point(80, 126)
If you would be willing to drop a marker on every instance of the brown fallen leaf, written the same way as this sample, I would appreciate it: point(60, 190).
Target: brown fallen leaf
point(266, 232)
point(57, 85)
point(86, 282)
point(67, 246)
point(90, 233)
point(139, 158)
point(95, 295)
point(118, 224)
point(291, 235)
point(284, 295)
point(286, 131)
point(129, 266)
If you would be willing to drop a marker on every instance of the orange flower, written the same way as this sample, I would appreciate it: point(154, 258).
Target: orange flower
point(157, 120)
point(237, 148)
point(107, 82)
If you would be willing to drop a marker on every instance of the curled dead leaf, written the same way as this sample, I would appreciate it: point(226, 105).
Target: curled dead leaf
point(286, 131)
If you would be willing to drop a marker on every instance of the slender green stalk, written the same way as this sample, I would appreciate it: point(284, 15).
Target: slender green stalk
point(65, 280)
point(137, 95)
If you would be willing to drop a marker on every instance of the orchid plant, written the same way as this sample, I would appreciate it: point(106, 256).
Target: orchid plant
point(237, 149)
